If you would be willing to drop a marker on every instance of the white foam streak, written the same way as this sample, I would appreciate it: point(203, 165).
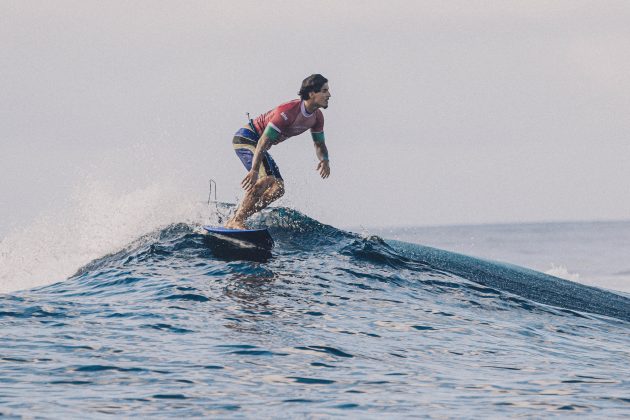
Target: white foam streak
point(562, 272)
point(96, 220)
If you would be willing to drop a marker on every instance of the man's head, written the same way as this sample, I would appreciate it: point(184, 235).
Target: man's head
point(315, 87)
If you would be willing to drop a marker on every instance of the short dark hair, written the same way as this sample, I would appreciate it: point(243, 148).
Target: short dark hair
point(312, 83)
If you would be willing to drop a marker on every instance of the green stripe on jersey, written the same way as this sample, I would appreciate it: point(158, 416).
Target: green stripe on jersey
point(272, 133)
point(318, 137)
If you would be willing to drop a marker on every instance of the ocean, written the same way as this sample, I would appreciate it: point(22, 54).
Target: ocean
point(520, 320)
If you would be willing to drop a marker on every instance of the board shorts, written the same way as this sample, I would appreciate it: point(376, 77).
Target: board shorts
point(244, 142)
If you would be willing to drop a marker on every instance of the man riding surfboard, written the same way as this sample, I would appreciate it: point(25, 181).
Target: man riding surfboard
point(263, 183)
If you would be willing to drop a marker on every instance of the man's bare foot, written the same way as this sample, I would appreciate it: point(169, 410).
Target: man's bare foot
point(233, 224)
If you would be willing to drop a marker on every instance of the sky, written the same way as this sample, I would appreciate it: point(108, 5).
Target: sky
point(442, 112)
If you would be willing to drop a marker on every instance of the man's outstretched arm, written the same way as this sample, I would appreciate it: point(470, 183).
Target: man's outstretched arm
point(323, 167)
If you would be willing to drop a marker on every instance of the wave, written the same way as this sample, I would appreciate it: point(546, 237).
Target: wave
point(371, 260)
point(329, 313)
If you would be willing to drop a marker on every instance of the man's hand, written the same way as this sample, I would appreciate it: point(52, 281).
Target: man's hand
point(323, 168)
point(249, 181)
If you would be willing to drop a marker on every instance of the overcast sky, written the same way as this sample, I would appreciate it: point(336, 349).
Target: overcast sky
point(442, 112)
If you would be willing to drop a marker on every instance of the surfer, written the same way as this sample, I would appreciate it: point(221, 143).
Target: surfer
point(263, 183)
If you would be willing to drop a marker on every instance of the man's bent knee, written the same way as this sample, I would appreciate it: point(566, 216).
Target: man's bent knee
point(263, 185)
point(278, 188)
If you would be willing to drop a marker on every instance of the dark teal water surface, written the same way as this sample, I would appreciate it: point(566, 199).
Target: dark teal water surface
point(330, 324)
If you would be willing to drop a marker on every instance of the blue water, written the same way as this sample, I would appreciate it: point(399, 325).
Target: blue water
point(594, 253)
point(331, 323)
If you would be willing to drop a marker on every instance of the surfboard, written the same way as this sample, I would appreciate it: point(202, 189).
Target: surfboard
point(246, 238)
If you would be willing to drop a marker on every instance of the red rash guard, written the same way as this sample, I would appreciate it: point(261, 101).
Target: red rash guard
point(291, 119)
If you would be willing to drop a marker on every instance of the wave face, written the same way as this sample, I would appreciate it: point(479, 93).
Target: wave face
point(330, 323)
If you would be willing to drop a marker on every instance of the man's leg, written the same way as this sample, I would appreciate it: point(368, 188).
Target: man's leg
point(271, 194)
point(265, 191)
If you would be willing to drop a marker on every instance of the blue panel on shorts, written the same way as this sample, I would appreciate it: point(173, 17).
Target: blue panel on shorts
point(247, 156)
point(246, 133)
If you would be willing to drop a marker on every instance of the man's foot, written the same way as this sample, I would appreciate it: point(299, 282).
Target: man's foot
point(233, 224)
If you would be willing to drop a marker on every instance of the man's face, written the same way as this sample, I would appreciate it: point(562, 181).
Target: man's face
point(321, 98)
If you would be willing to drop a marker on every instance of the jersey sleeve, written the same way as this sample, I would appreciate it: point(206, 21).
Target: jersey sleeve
point(281, 119)
point(319, 123)
point(317, 131)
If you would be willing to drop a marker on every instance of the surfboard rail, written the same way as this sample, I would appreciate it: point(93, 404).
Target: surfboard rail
point(245, 238)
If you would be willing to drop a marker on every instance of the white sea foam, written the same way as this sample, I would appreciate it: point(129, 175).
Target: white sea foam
point(562, 272)
point(95, 221)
